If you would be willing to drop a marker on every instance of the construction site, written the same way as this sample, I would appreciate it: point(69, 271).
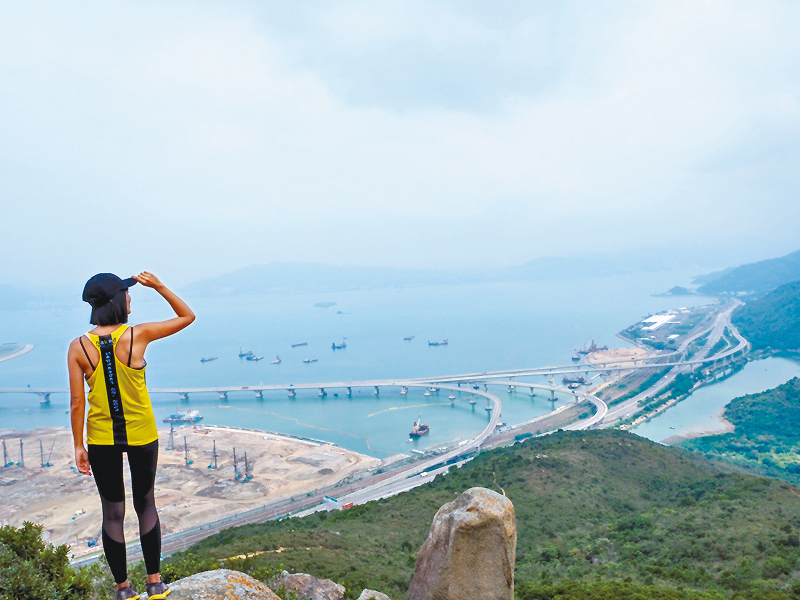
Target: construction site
point(204, 474)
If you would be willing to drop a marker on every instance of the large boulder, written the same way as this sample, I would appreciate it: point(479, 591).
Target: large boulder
point(373, 595)
point(308, 587)
point(222, 584)
point(470, 550)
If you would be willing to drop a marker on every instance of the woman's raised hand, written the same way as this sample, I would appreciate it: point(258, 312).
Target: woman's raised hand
point(147, 279)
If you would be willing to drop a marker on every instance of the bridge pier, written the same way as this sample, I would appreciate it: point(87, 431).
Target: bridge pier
point(489, 406)
point(322, 392)
point(44, 399)
point(510, 389)
point(223, 395)
point(349, 391)
point(184, 396)
point(259, 394)
point(377, 391)
point(552, 395)
point(292, 393)
point(532, 393)
point(403, 390)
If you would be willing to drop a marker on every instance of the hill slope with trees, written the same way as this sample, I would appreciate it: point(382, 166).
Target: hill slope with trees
point(772, 321)
point(759, 278)
point(598, 512)
point(766, 438)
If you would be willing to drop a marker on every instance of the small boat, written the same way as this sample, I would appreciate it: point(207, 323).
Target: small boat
point(335, 346)
point(277, 360)
point(408, 338)
point(442, 343)
point(419, 428)
point(576, 357)
point(300, 344)
point(191, 416)
point(309, 360)
point(243, 354)
point(254, 358)
point(208, 358)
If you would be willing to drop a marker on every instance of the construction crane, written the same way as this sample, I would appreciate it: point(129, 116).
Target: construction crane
point(214, 466)
point(186, 452)
point(248, 475)
point(46, 463)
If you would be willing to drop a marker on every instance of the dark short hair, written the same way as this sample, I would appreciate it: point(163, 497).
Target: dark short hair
point(113, 312)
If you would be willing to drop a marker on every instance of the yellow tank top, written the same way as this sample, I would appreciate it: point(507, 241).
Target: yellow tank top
point(120, 411)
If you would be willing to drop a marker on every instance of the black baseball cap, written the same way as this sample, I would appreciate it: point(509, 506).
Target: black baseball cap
point(103, 287)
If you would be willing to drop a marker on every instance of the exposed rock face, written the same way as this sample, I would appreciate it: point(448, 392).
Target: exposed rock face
point(470, 550)
point(222, 584)
point(308, 587)
point(373, 595)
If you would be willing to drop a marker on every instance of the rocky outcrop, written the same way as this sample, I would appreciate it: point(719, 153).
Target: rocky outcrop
point(308, 587)
point(373, 595)
point(470, 550)
point(222, 584)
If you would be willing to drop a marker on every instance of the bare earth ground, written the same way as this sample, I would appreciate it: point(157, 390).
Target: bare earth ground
point(68, 505)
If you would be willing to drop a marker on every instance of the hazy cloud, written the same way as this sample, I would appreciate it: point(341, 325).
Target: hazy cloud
point(194, 138)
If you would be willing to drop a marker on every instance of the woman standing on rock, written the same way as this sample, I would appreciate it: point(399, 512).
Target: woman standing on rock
point(110, 359)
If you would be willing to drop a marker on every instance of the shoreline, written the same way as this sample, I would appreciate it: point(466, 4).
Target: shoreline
point(726, 427)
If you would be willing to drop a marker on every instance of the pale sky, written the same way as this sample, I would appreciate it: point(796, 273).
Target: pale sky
point(194, 138)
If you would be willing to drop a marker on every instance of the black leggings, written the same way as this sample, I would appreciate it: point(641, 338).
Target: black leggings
point(106, 462)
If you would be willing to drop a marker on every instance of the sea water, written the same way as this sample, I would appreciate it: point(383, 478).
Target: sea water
point(701, 412)
point(490, 326)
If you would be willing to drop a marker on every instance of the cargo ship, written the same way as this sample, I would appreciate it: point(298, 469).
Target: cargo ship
point(419, 428)
point(442, 343)
point(208, 358)
point(191, 416)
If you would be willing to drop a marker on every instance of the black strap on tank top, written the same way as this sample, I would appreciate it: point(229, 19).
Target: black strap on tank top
point(112, 390)
point(80, 341)
point(131, 352)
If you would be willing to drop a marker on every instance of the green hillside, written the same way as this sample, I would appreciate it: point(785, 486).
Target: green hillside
point(772, 321)
point(760, 277)
point(600, 514)
point(767, 435)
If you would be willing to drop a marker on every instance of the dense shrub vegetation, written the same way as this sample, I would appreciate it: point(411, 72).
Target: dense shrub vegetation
point(766, 438)
point(30, 569)
point(596, 511)
point(772, 321)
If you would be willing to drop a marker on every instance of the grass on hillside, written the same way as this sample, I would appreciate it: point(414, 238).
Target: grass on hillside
point(599, 505)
